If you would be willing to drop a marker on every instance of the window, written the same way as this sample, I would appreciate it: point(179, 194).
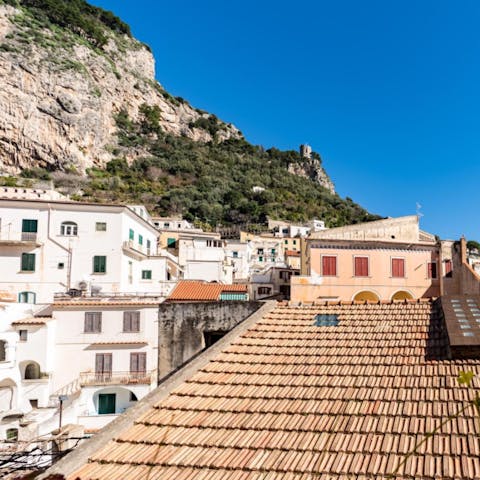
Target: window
point(260, 259)
point(171, 242)
point(329, 266)
point(28, 262)
point(29, 229)
point(398, 267)
point(23, 335)
point(264, 290)
point(325, 320)
point(133, 397)
point(61, 266)
point(361, 266)
point(131, 321)
point(99, 264)
point(432, 269)
point(294, 242)
point(166, 225)
point(93, 322)
point(27, 297)
point(138, 363)
point(259, 251)
point(34, 402)
point(140, 240)
point(448, 268)
point(107, 403)
point(149, 246)
point(69, 229)
point(3, 350)
point(100, 227)
point(11, 435)
point(103, 364)
point(131, 234)
point(285, 242)
point(32, 371)
point(146, 274)
point(235, 254)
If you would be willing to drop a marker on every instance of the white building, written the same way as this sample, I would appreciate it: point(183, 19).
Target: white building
point(236, 254)
point(51, 246)
point(172, 223)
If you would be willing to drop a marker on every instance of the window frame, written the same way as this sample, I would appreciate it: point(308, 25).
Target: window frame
point(100, 226)
point(97, 267)
point(92, 322)
point(131, 321)
point(355, 257)
point(146, 274)
point(27, 293)
point(26, 259)
point(404, 263)
point(23, 335)
point(323, 265)
point(68, 229)
point(432, 270)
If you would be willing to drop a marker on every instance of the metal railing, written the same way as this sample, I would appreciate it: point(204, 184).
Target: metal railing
point(7, 235)
point(115, 378)
point(163, 290)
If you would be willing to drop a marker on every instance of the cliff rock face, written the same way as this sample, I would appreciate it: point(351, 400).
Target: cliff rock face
point(312, 168)
point(59, 96)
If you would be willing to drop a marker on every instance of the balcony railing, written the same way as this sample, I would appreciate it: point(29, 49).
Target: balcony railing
point(116, 378)
point(134, 247)
point(16, 238)
point(163, 289)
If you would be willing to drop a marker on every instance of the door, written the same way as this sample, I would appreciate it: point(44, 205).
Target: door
point(106, 403)
point(29, 229)
point(103, 366)
point(138, 364)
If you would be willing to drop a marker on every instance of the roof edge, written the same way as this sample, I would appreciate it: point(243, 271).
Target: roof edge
point(79, 456)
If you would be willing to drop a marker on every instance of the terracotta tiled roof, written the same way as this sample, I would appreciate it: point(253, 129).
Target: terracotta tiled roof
point(290, 400)
point(190, 290)
point(32, 321)
point(292, 253)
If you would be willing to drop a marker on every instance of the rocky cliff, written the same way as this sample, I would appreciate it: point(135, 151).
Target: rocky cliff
point(60, 94)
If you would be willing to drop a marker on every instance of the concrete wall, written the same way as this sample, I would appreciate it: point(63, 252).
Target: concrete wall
point(181, 328)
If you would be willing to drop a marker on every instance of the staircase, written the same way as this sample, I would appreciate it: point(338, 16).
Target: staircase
point(69, 390)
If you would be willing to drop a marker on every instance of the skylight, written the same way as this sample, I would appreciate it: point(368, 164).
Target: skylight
point(325, 320)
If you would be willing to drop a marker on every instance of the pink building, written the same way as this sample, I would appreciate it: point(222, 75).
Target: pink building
point(389, 259)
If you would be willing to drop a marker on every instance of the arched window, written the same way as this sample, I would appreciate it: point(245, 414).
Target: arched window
point(27, 297)
point(3, 350)
point(32, 371)
point(69, 229)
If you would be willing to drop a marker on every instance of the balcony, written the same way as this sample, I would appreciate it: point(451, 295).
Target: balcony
point(116, 378)
point(137, 250)
point(19, 239)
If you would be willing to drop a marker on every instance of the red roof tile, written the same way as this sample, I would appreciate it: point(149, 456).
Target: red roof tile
point(293, 401)
point(191, 290)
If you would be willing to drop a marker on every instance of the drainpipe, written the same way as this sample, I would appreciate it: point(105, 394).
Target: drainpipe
point(68, 250)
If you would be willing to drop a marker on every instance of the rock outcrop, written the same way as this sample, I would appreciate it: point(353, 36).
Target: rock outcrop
point(313, 169)
point(59, 96)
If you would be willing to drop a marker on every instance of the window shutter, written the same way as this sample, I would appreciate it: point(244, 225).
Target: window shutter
point(126, 322)
point(88, 327)
point(398, 267)
point(361, 266)
point(329, 266)
point(135, 321)
point(99, 363)
point(97, 322)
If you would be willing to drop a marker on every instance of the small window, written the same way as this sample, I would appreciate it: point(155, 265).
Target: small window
point(131, 321)
point(235, 254)
point(29, 226)
point(69, 229)
point(34, 402)
point(166, 225)
point(28, 262)
point(294, 242)
point(3, 350)
point(325, 320)
point(27, 297)
point(171, 242)
point(260, 259)
point(285, 242)
point(93, 322)
point(11, 435)
point(398, 267)
point(23, 335)
point(448, 268)
point(99, 264)
point(273, 252)
point(432, 269)
point(32, 371)
point(133, 397)
point(146, 274)
point(131, 234)
point(149, 244)
point(61, 266)
point(259, 251)
point(100, 227)
point(361, 266)
point(264, 290)
point(140, 239)
point(329, 266)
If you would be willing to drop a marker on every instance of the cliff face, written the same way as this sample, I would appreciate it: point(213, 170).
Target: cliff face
point(59, 96)
point(312, 168)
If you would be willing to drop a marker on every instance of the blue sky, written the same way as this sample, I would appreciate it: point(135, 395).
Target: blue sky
point(388, 92)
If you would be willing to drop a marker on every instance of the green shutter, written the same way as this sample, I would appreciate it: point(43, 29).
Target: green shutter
point(171, 242)
point(140, 240)
point(131, 235)
point(99, 264)
point(28, 262)
point(29, 226)
point(146, 274)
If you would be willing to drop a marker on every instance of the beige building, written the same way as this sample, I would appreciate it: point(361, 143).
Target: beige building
point(381, 260)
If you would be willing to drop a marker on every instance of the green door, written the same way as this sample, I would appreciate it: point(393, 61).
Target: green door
point(106, 403)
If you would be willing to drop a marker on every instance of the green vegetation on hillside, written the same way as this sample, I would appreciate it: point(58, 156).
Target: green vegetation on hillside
point(77, 16)
point(211, 183)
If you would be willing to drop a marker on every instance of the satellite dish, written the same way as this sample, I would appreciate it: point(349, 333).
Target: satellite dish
point(95, 289)
point(82, 285)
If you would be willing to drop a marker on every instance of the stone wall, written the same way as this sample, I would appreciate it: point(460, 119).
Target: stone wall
point(182, 325)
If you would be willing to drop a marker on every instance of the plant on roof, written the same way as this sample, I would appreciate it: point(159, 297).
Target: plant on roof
point(464, 378)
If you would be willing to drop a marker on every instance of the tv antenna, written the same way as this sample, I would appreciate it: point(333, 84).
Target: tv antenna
point(419, 213)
